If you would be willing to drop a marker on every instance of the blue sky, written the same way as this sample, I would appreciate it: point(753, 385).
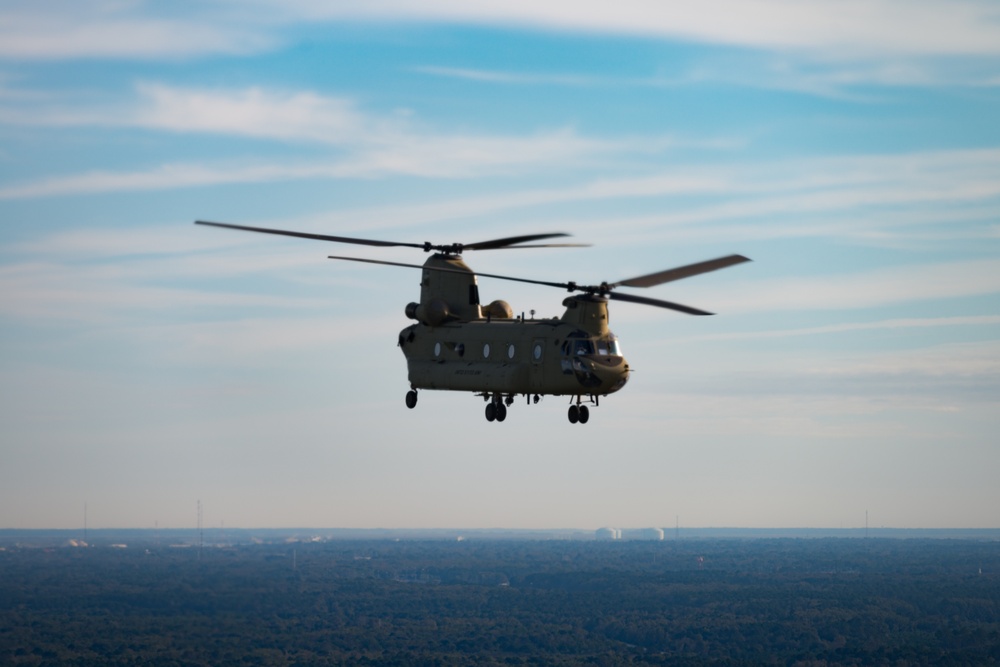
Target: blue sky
point(851, 149)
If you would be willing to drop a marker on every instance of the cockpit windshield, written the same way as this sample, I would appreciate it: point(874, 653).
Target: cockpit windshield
point(609, 346)
point(602, 346)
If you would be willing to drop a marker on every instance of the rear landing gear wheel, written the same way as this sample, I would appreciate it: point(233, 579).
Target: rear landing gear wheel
point(584, 414)
point(574, 414)
point(501, 412)
point(411, 399)
point(491, 411)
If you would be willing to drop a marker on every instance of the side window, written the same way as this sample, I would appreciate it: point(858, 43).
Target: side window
point(536, 352)
point(615, 347)
point(510, 351)
point(486, 351)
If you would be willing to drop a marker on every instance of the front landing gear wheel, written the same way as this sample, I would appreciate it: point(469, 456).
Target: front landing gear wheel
point(411, 399)
point(491, 412)
point(584, 414)
point(574, 414)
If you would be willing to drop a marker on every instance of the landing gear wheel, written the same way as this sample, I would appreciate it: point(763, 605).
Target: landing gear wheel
point(574, 414)
point(501, 412)
point(491, 412)
point(584, 414)
point(411, 399)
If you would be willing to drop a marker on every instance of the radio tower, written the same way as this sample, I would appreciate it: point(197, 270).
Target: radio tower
point(201, 536)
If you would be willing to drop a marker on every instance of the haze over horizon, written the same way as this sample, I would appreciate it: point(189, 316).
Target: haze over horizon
point(851, 149)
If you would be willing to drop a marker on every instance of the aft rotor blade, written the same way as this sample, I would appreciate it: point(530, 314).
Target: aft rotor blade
point(538, 245)
point(305, 235)
point(682, 272)
point(515, 241)
point(455, 248)
point(447, 270)
point(631, 298)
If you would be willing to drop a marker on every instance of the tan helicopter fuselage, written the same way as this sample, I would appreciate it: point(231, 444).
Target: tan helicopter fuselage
point(459, 345)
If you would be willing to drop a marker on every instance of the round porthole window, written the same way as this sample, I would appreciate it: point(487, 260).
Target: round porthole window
point(437, 349)
point(510, 351)
point(537, 351)
point(486, 351)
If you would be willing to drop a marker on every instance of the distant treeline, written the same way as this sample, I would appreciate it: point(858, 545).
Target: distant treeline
point(216, 536)
point(506, 602)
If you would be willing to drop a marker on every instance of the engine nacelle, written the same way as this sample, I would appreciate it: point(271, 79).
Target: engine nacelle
point(499, 310)
point(434, 313)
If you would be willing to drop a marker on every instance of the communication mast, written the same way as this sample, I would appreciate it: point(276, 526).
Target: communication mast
point(201, 536)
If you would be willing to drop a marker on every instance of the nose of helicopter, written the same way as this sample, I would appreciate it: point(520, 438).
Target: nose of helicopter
point(611, 371)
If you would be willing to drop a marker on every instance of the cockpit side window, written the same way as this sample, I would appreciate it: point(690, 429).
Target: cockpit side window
point(614, 347)
point(581, 347)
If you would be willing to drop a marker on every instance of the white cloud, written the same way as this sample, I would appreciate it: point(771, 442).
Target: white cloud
point(865, 289)
point(497, 76)
point(898, 41)
point(846, 29)
point(426, 157)
point(302, 116)
point(254, 112)
point(61, 29)
point(364, 145)
point(902, 323)
point(33, 291)
point(837, 80)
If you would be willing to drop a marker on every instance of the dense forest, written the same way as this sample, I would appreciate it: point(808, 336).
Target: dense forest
point(503, 602)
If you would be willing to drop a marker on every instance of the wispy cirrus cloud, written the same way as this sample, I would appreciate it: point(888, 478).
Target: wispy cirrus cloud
point(361, 144)
point(250, 112)
point(425, 157)
point(864, 198)
point(501, 76)
point(851, 29)
point(854, 81)
point(845, 327)
point(871, 41)
point(876, 288)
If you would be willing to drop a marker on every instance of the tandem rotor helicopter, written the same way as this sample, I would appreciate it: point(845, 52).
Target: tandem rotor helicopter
point(458, 344)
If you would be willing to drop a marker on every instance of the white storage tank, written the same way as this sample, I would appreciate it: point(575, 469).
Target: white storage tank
point(608, 534)
point(651, 534)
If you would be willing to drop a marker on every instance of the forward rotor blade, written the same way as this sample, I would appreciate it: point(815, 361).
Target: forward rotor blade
point(305, 235)
point(446, 270)
point(631, 298)
point(682, 272)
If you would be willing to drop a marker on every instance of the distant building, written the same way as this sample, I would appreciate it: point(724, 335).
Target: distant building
point(648, 534)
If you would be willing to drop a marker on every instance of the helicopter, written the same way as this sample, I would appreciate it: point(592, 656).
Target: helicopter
point(458, 344)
